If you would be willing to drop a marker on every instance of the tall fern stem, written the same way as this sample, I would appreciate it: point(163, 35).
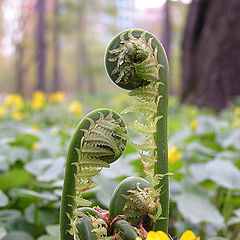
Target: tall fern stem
point(161, 139)
point(135, 60)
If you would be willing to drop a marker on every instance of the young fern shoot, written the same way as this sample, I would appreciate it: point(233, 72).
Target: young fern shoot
point(99, 140)
point(135, 60)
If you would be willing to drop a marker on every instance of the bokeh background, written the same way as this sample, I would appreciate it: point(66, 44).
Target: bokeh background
point(52, 73)
point(59, 45)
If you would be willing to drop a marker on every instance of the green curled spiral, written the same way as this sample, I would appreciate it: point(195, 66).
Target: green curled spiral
point(99, 139)
point(135, 60)
point(131, 61)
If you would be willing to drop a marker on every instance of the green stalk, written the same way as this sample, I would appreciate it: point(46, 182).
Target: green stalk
point(69, 194)
point(161, 166)
point(131, 63)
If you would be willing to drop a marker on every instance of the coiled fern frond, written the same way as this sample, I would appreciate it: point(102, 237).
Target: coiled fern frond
point(99, 140)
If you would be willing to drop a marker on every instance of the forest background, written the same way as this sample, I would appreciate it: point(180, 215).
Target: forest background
point(52, 73)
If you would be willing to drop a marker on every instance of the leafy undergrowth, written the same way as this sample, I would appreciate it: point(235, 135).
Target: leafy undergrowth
point(204, 157)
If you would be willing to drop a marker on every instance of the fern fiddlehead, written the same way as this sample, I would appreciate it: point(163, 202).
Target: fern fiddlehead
point(135, 60)
point(99, 139)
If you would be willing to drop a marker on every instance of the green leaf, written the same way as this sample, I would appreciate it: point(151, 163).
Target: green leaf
point(233, 221)
point(230, 139)
point(199, 172)
point(3, 232)
point(175, 166)
point(36, 167)
point(21, 224)
point(14, 178)
point(17, 235)
point(227, 155)
point(12, 154)
point(130, 149)
point(104, 193)
point(24, 140)
point(36, 195)
point(210, 124)
point(6, 215)
point(217, 238)
point(120, 168)
point(54, 171)
point(237, 212)
point(3, 199)
point(197, 209)
point(4, 166)
point(224, 173)
point(45, 216)
point(46, 142)
point(53, 229)
point(199, 148)
point(18, 153)
point(49, 237)
point(187, 186)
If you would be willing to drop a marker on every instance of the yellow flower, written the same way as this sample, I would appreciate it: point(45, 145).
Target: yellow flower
point(38, 100)
point(173, 154)
point(75, 108)
point(56, 97)
point(16, 115)
point(35, 146)
point(189, 235)
point(236, 122)
point(236, 111)
point(2, 110)
point(14, 100)
point(54, 132)
point(35, 127)
point(159, 235)
point(193, 125)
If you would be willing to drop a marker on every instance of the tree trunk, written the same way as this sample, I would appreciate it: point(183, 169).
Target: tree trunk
point(167, 27)
point(84, 78)
point(41, 46)
point(211, 53)
point(20, 69)
point(167, 35)
point(56, 49)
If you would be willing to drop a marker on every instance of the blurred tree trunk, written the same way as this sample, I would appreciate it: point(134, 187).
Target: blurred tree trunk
point(167, 27)
point(20, 46)
point(167, 34)
point(84, 78)
point(211, 47)
point(41, 46)
point(1, 22)
point(20, 69)
point(56, 48)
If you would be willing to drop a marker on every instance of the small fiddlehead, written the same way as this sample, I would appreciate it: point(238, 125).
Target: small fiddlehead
point(135, 60)
point(131, 199)
point(125, 230)
point(100, 139)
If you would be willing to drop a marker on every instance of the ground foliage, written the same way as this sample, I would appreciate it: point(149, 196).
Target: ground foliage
point(204, 157)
